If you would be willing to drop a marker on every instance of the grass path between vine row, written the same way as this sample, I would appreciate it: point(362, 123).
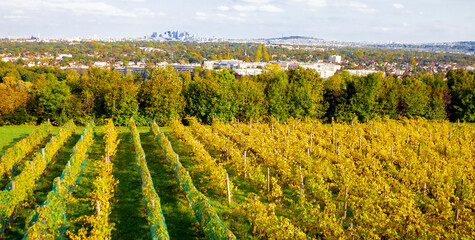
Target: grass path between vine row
point(181, 222)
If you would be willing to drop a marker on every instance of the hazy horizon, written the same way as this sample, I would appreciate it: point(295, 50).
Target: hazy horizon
point(417, 21)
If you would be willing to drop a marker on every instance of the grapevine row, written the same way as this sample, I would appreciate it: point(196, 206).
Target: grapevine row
point(210, 172)
point(49, 221)
point(155, 216)
point(104, 189)
point(21, 188)
point(205, 213)
point(13, 156)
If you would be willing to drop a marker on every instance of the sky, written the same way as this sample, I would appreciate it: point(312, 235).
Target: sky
point(410, 21)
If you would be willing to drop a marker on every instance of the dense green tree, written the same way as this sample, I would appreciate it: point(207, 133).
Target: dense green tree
point(414, 98)
point(161, 96)
point(49, 98)
point(335, 94)
point(251, 100)
point(365, 101)
point(305, 93)
point(388, 98)
point(461, 85)
point(277, 87)
point(121, 101)
point(437, 91)
point(211, 95)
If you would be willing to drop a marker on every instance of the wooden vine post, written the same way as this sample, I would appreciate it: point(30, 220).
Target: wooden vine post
point(245, 160)
point(360, 143)
point(98, 208)
point(346, 205)
point(268, 180)
point(227, 187)
point(302, 187)
point(333, 131)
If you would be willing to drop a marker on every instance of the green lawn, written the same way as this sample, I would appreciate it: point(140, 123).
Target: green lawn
point(9, 135)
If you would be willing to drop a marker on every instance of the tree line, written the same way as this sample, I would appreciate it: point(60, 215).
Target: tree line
point(33, 95)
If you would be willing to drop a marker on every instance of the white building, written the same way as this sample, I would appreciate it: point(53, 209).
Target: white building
point(361, 72)
point(100, 64)
point(61, 56)
point(248, 71)
point(334, 59)
point(185, 67)
point(325, 70)
point(228, 64)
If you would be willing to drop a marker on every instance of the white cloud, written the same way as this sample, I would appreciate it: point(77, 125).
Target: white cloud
point(257, 1)
point(262, 8)
point(248, 8)
point(73, 7)
point(133, 1)
point(18, 11)
point(358, 6)
point(16, 14)
point(383, 29)
point(398, 6)
point(143, 12)
point(201, 15)
point(312, 3)
point(237, 19)
point(270, 8)
point(221, 16)
point(223, 8)
point(15, 17)
point(87, 7)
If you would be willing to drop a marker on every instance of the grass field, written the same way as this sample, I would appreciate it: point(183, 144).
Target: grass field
point(128, 211)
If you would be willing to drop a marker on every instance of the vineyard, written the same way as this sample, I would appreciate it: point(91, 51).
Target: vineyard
point(389, 179)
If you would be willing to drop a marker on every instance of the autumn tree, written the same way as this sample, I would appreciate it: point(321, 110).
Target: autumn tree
point(12, 97)
point(258, 53)
point(265, 54)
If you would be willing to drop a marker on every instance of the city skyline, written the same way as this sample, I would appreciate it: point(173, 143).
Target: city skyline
point(417, 21)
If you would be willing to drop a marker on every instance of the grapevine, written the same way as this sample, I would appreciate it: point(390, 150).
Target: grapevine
point(104, 189)
point(13, 156)
point(21, 188)
point(205, 213)
point(156, 219)
point(48, 221)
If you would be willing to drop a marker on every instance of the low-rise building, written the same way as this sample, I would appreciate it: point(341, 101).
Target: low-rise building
point(334, 59)
point(185, 67)
point(362, 72)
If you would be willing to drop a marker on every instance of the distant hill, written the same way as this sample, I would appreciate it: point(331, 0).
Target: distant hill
point(295, 38)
